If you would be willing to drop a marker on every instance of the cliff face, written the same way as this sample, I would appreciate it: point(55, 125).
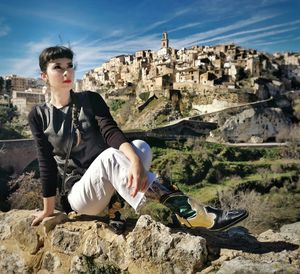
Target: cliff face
point(86, 245)
point(262, 123)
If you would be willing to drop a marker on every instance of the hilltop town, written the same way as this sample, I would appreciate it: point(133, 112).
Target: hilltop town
point(201, 80)
point(206, 71)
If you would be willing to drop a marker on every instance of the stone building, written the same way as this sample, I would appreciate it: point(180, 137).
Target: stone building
point(191, 75)
point(23, 83)
point(78, 85)
point(18, 83)
point(292, 59)
point(165, 40)
point(25, 100)
point(207, 78)
point(253, 65)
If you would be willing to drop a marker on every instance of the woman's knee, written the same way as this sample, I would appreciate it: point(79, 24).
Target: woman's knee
point(112, 158)
point(143, 150)
point(107, 154)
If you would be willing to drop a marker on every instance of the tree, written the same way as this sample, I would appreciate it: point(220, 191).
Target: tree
point(1, 84)
point(7, 114)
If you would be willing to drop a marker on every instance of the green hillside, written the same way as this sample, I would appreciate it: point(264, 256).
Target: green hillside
point(264, 180)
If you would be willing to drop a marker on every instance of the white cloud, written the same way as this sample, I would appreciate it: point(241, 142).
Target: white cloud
point(221, 8)
point(184, 11)
point(265, 34)
point(28, 64)
point(187, 26)
point(275, 42)
point(26, 11)
point(93, 55)
point(37, 47)
point(87, 55)
point(156, 24)
point(251, 31)
point(264, 3)
point(196, 38)
point(4, 28)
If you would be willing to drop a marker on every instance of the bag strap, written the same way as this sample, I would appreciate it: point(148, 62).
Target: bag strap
point(62, 190)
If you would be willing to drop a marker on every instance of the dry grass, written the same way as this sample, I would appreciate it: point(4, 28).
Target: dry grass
point(265, 211)
point(254, 203)
point(26, 192)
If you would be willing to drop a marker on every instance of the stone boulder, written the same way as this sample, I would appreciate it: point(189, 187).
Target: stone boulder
point(86, 245)
point(270, 252)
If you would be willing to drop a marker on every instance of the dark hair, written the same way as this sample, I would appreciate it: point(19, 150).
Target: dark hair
point(51, 53)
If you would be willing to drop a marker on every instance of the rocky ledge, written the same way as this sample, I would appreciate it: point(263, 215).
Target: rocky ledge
point(81, 244)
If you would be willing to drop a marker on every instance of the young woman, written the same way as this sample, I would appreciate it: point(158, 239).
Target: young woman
point(83, 153)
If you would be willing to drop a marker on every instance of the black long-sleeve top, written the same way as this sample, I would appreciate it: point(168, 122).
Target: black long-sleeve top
point(51, 129)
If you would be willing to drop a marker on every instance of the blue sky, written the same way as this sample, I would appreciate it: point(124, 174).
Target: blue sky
point(99, 30)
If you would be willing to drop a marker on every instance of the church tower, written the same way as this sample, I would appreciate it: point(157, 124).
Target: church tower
point(165, 40)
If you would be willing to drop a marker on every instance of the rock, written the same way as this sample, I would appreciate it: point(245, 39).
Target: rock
point(243, 266)
point(5, 232)
point(275, 256)
point(12, 262)
point(156, 249)
point(262, 122)
point(216, 105)
point(256, 140)
point(18, 227)
point(86, 245)
point(50, 262)
point(290, 233)
point(65, 241)
point(92, 246)
point(79, 265)
point(26, 235)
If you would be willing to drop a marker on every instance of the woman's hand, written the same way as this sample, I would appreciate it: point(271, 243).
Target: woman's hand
point(49, 204)
point(39, 217)
point(137, 178)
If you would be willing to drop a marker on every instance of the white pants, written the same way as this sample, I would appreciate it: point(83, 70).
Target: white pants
point(107, 174)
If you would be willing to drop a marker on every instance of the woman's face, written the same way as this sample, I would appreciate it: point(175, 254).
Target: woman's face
point(59, 74)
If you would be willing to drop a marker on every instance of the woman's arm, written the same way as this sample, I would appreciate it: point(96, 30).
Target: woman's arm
point(47, 163)
point(109, 129)
point(49, 205)
point(47, 166)
point(137, 179)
